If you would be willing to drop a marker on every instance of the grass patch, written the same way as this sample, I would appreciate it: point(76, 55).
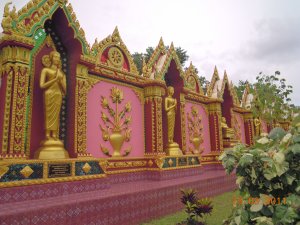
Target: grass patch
point(222, 207)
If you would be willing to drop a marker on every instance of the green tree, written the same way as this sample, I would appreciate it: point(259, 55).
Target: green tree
point(240, 88)
point(273, 100)
point(203, 82)
point(138, 60)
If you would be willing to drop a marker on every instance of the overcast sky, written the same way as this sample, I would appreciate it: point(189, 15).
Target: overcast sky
point(241, 37)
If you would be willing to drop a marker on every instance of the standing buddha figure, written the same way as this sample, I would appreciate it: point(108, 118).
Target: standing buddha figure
point(53, 84)
point(170, 108)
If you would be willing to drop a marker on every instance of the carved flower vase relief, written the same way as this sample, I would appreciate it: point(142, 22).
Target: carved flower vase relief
point(116, 123)
point(195, 130)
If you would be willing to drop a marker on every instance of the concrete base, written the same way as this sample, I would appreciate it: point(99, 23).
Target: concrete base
point(130, 198)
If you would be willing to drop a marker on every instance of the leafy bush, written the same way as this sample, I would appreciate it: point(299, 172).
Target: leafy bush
point(268, 177)
point(195, 208)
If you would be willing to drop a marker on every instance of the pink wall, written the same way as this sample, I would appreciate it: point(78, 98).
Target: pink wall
point(241, 125)
point(94, 109)
point(264, 127)
point(206, 137)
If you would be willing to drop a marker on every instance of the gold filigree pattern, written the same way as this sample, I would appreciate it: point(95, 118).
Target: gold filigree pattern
point(237, 127)
point(213, 81)
point(33, 16)
point(195, 130)
point(116, 129)
point(171, 55)
point(183, 127)
point(115, 57)
point(192, 80)
point(158, 51)
point(115, 40)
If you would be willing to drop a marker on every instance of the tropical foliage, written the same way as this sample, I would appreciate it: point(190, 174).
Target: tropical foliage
point(268, 176)
point(194, 207)
point(272, 101)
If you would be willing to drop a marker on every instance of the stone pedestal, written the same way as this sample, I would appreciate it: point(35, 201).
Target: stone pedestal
point(51, 149)
point(173, 149)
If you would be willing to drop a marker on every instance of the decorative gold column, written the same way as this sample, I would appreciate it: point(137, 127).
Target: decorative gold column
point(83, 85)
point(153, 120)
point(215, 116)
point(15, 66)
point(249, 127)
point(183, 124)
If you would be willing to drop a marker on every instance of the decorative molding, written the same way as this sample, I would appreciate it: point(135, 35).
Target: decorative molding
point(118, 49)
point(192, 80)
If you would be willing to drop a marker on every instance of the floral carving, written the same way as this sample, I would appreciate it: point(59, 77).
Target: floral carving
point(195, 130)
point(116, 129)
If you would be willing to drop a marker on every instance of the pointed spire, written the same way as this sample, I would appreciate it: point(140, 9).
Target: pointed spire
point(172, 46)
point(225, 75)
point(161, 42)
point(116, 35)
point(161, 45)
point(216, 73)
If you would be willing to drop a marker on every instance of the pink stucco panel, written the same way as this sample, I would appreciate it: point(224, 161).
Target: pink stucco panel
point(241, 126)
point(94, 109)
point(264, 127)
point(206, 137)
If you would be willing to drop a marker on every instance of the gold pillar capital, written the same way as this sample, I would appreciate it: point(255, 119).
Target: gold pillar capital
point(154, 91)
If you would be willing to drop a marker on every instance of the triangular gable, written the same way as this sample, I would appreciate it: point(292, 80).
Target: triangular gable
point(230, 88)
point(156, 60)
point(245, 94)
point(171, 55)
point(192, 80)
point(31, 18)
point(247, 98)
point(112, 52)
point(213, 83)
point(236, 100)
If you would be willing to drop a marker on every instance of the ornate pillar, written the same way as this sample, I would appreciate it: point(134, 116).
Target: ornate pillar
point(82, 87)
point(216, 139)
point(153, 120)
point(14, 92)
point(184, 149)
point(249, 128)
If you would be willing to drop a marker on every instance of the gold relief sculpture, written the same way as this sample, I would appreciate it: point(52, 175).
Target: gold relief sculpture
point(115, 131)
point(8, 17)
point(53, 83)
point(115, 57)
point(237, 128)
point(170, 107)
point(195, 130)
point(257, 125)
point(227, 131)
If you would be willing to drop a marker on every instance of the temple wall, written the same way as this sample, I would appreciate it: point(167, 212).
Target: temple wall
point(240, 126)
point(264, 127)
point(204, 122)
point(94, 109)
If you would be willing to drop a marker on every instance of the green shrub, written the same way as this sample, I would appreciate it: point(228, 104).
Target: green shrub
point(268, 177)
point(195, 208)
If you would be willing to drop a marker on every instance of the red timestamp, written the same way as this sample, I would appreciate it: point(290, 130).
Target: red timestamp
point(267, 200)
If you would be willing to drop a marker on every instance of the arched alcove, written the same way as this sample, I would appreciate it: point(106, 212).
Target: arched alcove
point(61, 35)
point(227, 104)
point(172, 78)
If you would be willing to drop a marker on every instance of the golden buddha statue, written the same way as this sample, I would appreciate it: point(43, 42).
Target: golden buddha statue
point(257, 124)
point(170, 107)
point(53, 83)
point(227, 131)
